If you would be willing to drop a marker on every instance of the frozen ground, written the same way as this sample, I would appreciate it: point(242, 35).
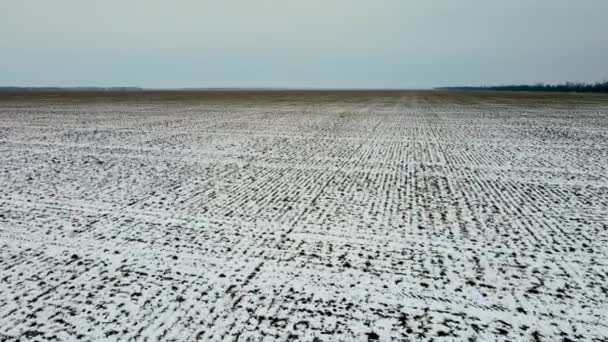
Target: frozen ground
point(342, 216)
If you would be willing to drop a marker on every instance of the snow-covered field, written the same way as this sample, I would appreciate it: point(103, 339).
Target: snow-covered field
point(337, 216)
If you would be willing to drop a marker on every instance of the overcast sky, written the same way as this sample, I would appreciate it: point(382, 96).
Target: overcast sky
point(306, 43)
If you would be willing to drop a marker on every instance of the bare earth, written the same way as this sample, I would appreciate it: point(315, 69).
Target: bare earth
point(312, 216)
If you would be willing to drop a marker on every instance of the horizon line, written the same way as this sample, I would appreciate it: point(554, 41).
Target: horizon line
point(134, 88)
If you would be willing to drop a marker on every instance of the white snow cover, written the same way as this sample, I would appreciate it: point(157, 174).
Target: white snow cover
point(336, 216)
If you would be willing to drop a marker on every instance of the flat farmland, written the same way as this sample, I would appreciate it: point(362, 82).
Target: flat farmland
point(303, 216)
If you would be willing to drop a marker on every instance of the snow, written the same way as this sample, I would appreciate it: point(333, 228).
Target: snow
point(305, 216)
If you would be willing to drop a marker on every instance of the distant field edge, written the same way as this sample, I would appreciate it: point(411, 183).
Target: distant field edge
point(568, 87)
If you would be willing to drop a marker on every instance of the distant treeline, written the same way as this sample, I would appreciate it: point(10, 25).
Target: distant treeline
point(64, 89)
point(579, 87)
